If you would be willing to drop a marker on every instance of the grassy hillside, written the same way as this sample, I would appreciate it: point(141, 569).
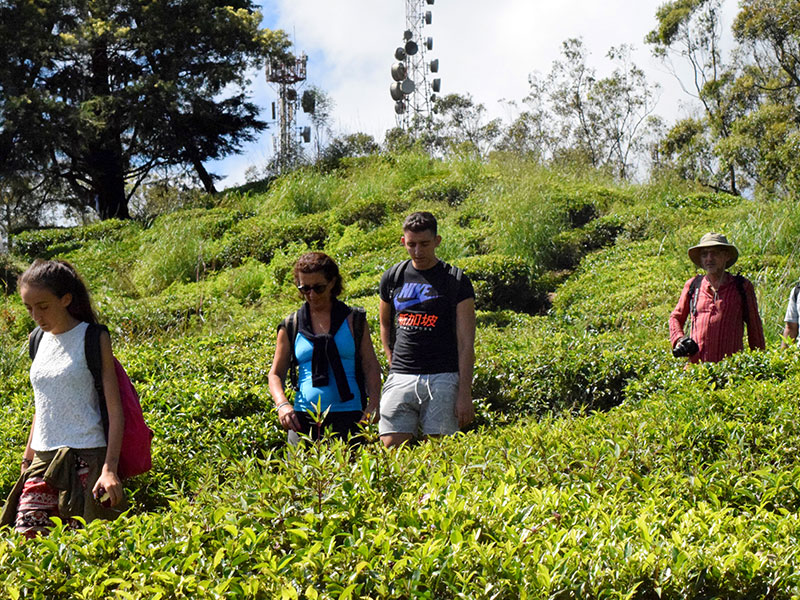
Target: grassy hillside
point(597, 467)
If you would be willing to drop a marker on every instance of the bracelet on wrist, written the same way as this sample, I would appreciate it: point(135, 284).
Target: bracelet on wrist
point(282, 404)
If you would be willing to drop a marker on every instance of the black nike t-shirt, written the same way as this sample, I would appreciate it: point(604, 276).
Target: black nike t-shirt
point(425, 315)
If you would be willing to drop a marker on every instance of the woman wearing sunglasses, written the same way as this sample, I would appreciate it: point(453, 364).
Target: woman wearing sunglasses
point(326, 347)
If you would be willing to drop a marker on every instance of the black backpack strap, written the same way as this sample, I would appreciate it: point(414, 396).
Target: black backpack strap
point(740, 286)
point(359, 328)
point(395, 276)
point(455, 284)
point(290, 325)
point(694, 290)
point(94, 361)
point(33, 341)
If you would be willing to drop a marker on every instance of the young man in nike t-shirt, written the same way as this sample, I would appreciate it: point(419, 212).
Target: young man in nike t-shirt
point(427, 314)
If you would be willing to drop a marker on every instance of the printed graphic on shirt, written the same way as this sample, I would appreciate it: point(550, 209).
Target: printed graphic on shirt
point(414, 294)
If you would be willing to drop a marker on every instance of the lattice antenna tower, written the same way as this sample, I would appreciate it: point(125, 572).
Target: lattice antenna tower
point(286, 74)
point(413, 90)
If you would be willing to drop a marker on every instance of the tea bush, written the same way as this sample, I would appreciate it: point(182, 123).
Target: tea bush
point(598, 466)
point(46, 243)
point(502, 282)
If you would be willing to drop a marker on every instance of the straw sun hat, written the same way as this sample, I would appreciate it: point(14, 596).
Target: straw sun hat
point(713, 240)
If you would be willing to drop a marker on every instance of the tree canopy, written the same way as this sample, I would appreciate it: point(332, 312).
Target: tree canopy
point(96, 93)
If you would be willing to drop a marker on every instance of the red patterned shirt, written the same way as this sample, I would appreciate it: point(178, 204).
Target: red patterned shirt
point(718, 327)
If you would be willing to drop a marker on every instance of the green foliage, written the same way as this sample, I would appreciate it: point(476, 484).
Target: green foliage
point(598, 465)
point(10, 270)
point(260, 237)
point(503, 282)
point(94, 111)
point(46, 243)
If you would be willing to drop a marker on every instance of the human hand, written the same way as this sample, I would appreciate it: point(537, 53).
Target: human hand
point(464, 409)
point(288, 418)
point(108, 484)
point(370, 415)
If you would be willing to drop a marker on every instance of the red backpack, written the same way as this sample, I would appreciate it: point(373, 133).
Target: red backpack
point(134, 456)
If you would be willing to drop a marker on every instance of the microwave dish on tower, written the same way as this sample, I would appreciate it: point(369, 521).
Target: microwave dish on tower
point(412, 90)
point(287, 73)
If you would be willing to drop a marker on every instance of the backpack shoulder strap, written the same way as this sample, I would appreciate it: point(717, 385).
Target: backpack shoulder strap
point(455, 283)
point(290, 325)
point(359, 327)
point(694, 290)
point(795, 293)
point(94, 361)
point(739, 279)
point(395, 277)
point(33, 341)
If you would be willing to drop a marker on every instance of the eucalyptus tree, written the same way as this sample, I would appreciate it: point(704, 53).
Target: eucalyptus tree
point(97, 93)
point(767, 139)
point(691, 30)
point(602, 121)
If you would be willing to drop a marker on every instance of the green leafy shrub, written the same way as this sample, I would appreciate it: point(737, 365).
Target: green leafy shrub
point(259, 238)
point(46, 243)
point(572, 245)
point(303, 192)
point(365, 212)
point(502, 282)
point(452, 193)
point(10, 270)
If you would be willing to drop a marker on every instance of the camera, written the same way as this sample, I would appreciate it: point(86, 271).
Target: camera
point(685, 346)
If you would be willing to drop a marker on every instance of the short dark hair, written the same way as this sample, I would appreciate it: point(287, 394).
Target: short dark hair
point(315, 262)
point(420, 221)
point(61, 278)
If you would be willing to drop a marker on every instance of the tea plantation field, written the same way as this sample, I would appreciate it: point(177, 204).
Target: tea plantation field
point(598, 467)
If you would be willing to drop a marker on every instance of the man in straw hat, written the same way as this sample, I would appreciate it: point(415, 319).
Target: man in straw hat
point(719, 303)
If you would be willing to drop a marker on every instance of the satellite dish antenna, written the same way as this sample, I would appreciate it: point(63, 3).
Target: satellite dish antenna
point(437, 85)
point(411, 47)
point(399, 71)
point(428, 18)
point(308, 101)
point(399, 107)
point(291, 94)
point(434, 98)
point(430, 1)
point(306, 134)
point(396, 91)
point(408, 34)
point(435, 65)
point(408, 86)
point(429, 43)
point(400, 54)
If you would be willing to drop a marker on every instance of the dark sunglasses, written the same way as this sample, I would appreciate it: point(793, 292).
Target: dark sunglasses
point(317, 289)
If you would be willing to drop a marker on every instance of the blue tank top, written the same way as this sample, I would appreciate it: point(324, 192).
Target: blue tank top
point(328, 396)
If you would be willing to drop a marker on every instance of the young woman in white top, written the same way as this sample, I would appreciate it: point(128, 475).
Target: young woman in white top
point(68, 449)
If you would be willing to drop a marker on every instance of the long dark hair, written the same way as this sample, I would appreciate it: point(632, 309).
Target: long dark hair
point(60, 278)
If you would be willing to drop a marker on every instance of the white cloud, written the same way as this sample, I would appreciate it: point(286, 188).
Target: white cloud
point(486, 49)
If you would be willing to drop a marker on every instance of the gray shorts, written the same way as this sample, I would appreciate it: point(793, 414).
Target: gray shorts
point(410, 403)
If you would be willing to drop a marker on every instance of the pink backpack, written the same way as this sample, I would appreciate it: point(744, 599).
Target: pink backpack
point(134, 456)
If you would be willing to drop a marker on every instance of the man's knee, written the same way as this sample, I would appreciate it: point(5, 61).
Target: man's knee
point(393, 440)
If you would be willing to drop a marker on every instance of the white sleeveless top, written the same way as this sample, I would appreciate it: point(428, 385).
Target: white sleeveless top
point(67, 406)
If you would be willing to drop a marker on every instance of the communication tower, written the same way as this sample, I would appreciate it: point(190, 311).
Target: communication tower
point(287, 74)
point(413, 91)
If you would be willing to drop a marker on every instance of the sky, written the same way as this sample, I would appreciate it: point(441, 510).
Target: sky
point(485, 49)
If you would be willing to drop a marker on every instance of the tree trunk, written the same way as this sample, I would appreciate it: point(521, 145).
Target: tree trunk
point(204, 175)
point(732, 180)
point(104, 158)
